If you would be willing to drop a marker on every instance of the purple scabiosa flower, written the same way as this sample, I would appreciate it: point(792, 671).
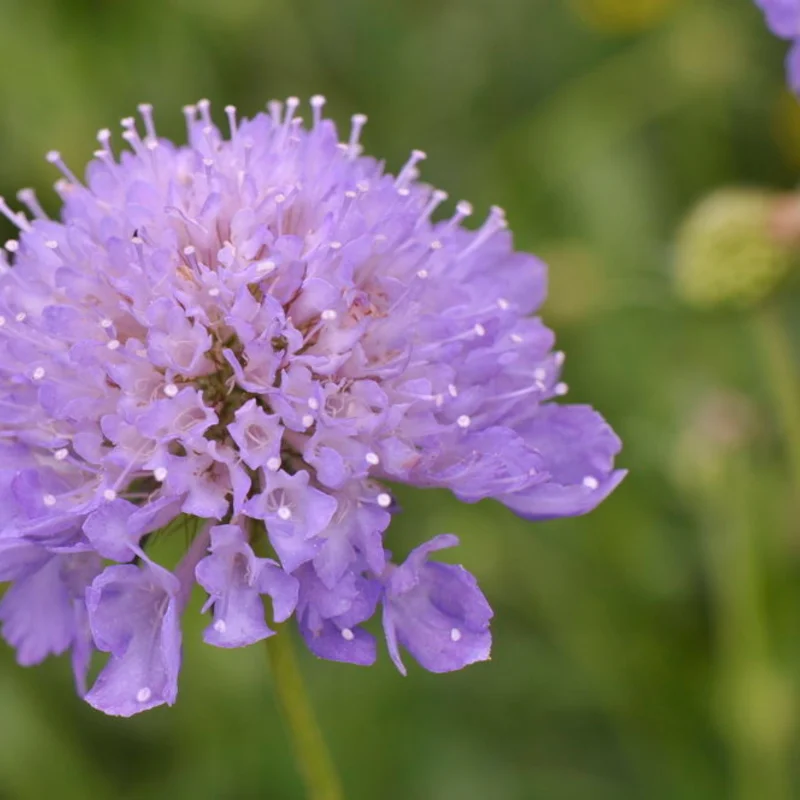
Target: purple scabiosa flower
point(257, 332)
point(783, 19)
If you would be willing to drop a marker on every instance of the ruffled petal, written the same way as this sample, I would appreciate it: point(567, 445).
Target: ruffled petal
point(577, 449)
point(133, 616)
point(436, 611)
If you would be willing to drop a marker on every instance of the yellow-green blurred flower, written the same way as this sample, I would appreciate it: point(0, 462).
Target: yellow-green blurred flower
point(735, 247)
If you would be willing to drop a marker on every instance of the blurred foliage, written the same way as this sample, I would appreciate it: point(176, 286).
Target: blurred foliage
point(627, 664)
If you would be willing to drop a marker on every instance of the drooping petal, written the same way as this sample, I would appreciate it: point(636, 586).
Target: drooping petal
point(577, 449)
point(43, 611)
point(436, 611)
point(133, 616)
point(330, 619)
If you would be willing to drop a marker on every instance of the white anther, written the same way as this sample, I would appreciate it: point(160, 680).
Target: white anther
point(307, 421)
point(502, 303)
point(213, 292)
point(516, 338)
point(561, 389)
point(422, 273)
point(539, 374)
point(436, 245)
point(404, 192)
point(170, 390)
point(455, 635)
point(12, 245)
point(106, 323)
point(51, 244)
point(273, 464)
point(464, 208)
point(384, 500)
point(590, 482)
point(335, 245)
point(280, 198)
point(438, 400)
point(160, 474)
point(110, 494)
point(372, 458)
point(352, 148)
point(113, 344)
point(285, 513)
point(452, 390)
point(313, 403)
point(348, 635)
point(2, 321)
point(265, 267)
point(328, 314)
point(559, 358)
point(208, 162)
point(230, 112)
point(350, 194)
point(21, 317)
point(49, 500)
point(61, 454)
point(463, 421)
point(143, 695)
point(479, 329)
point(220, 626)
point(38, 373)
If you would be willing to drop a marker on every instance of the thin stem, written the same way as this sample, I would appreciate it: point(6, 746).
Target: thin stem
point(781, 365)
point(311, 752)
point(755, 715)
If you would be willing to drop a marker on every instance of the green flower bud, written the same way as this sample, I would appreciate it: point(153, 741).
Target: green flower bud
point(734, 248)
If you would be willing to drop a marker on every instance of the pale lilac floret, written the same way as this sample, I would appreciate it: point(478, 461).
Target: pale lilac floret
point(134, 616)
point(245, 341)
point(236, 579)
point(436, 611)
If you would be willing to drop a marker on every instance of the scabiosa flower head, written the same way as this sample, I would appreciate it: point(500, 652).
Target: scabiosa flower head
point(783, 18)
point(254, 333)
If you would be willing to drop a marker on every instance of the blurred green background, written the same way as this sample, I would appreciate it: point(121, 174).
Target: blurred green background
point(650, 650)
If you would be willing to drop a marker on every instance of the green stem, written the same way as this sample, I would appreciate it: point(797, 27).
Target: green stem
point(752, 693)
point(311, 753)
point(781, 365)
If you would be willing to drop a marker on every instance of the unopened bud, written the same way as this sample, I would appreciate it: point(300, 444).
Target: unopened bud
point(733, 249)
